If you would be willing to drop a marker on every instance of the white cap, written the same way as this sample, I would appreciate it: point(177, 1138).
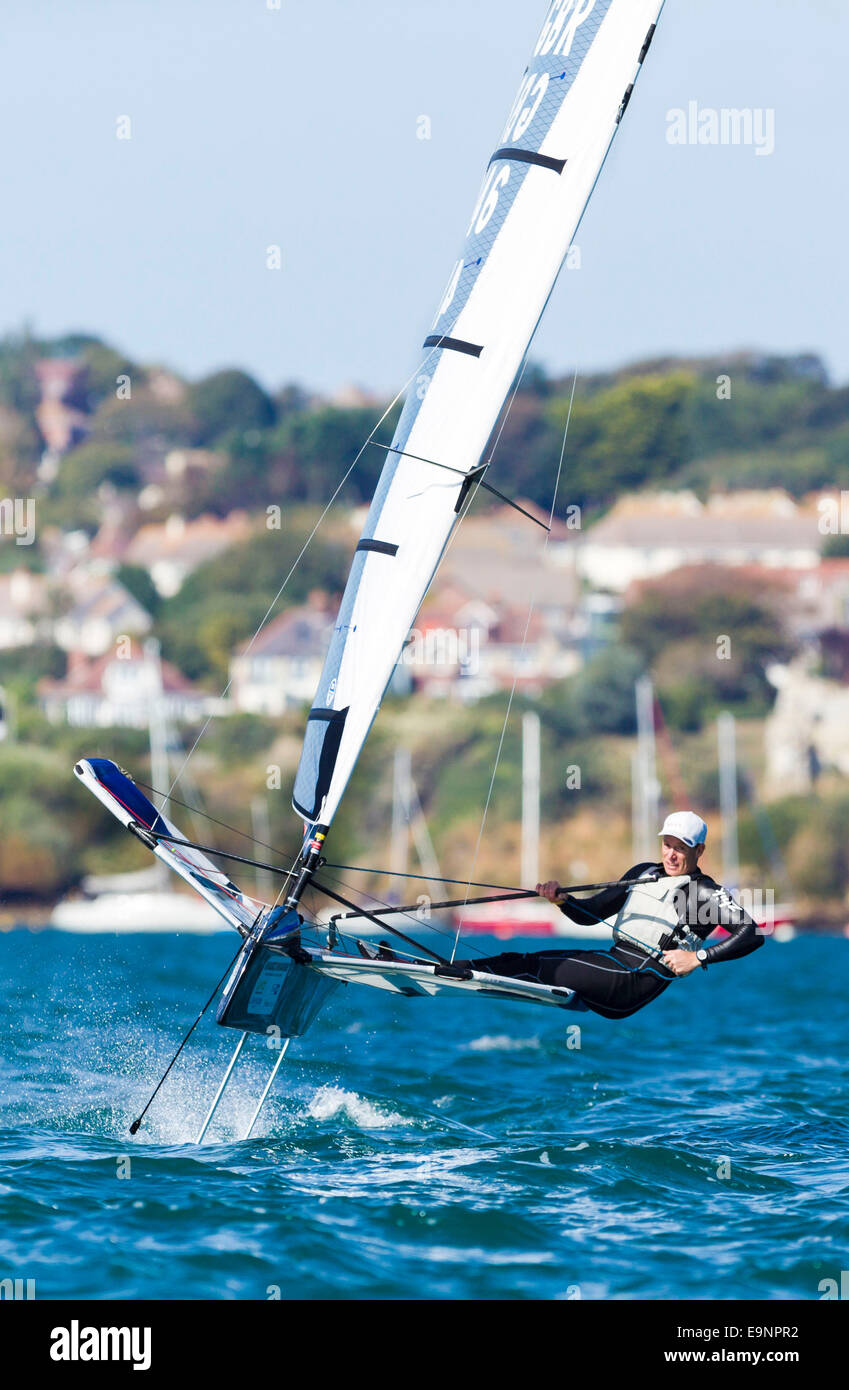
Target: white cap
point(686, 826)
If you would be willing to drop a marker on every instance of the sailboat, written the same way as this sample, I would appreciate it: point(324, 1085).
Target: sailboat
point(571, 100)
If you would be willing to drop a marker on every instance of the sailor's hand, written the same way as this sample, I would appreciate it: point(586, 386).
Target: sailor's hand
point(551, 890)
point(680, 962)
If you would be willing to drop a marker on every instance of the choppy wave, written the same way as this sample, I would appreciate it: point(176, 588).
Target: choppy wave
point(423, 1148)
point(502, 1042)
point(332, 1102)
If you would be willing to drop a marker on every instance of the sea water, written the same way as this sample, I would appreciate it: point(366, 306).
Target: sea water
point(423, 1148)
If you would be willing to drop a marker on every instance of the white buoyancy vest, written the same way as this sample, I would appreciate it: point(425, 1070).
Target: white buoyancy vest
point(649, 916)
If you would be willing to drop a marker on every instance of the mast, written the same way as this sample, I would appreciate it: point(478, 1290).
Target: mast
point(158, 736)
point(7, 715)
point(530, 798)
point(408, 822)
point(537, 184)
point(727, 741)
point(400, 844)
point(644, 782)
point(421, 836)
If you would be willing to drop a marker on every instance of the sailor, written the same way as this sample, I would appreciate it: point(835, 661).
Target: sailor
point(663, 913)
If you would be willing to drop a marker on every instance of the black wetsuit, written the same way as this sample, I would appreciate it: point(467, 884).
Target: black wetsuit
point(618, 982)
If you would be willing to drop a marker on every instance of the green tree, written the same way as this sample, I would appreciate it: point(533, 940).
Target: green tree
point(701, 626)
point(85, 468)
point(143, 419)
point(229, 400)
point(19, 389)
point(222, 603)
point(20, 449)
point(310, 452)
point(600, 699)
point(46, 822)
point(836, 547)
point(138, 582)
point(103, 365)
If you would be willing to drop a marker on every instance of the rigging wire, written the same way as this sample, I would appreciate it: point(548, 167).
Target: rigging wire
point(222, 853)
point(374, 899)
point(509, 891)
point(234, 829)
point(425, 878)
point(472, 493)
point(384, 926)
point(134, 1127)
point(464, 883)
point(302, 552)
point(286, 874)
point(527, 627)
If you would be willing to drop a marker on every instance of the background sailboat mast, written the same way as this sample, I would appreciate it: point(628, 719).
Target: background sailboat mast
point(530, 799)
point(408, 821)
point(727, 741)
point(645, 788)
point(158, 734)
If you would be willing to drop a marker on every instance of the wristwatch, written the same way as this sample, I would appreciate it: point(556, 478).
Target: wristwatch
point(701, 957)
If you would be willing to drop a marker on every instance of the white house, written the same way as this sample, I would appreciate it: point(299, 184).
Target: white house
point(650, 534)
point(169, 552)
point(100, 611)
point(23, 608)
point(281, 669)
point(116, 689)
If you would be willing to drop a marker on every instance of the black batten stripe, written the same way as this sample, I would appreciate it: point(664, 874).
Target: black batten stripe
point(453, 345)
point(381, 547)
point(624, 107)
point(545, 161)
point(647, 45)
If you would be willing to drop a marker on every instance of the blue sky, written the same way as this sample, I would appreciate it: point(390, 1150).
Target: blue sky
point(297, 126)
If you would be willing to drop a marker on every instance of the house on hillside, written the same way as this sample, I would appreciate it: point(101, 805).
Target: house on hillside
point(470, 638)
point(116, 691)
point(808, 730)
point(464, 648)
point(822, 595)
point(24, 607)
point(650, 534)
point(100, 610)
point(502, 557)
point(170, 551)
point(60, 418)
point(280, 670)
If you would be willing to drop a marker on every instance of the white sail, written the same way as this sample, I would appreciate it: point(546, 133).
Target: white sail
point(536, 188)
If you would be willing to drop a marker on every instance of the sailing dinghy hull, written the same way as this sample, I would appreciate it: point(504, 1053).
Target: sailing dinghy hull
point(418, 978)
point(120, 795)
